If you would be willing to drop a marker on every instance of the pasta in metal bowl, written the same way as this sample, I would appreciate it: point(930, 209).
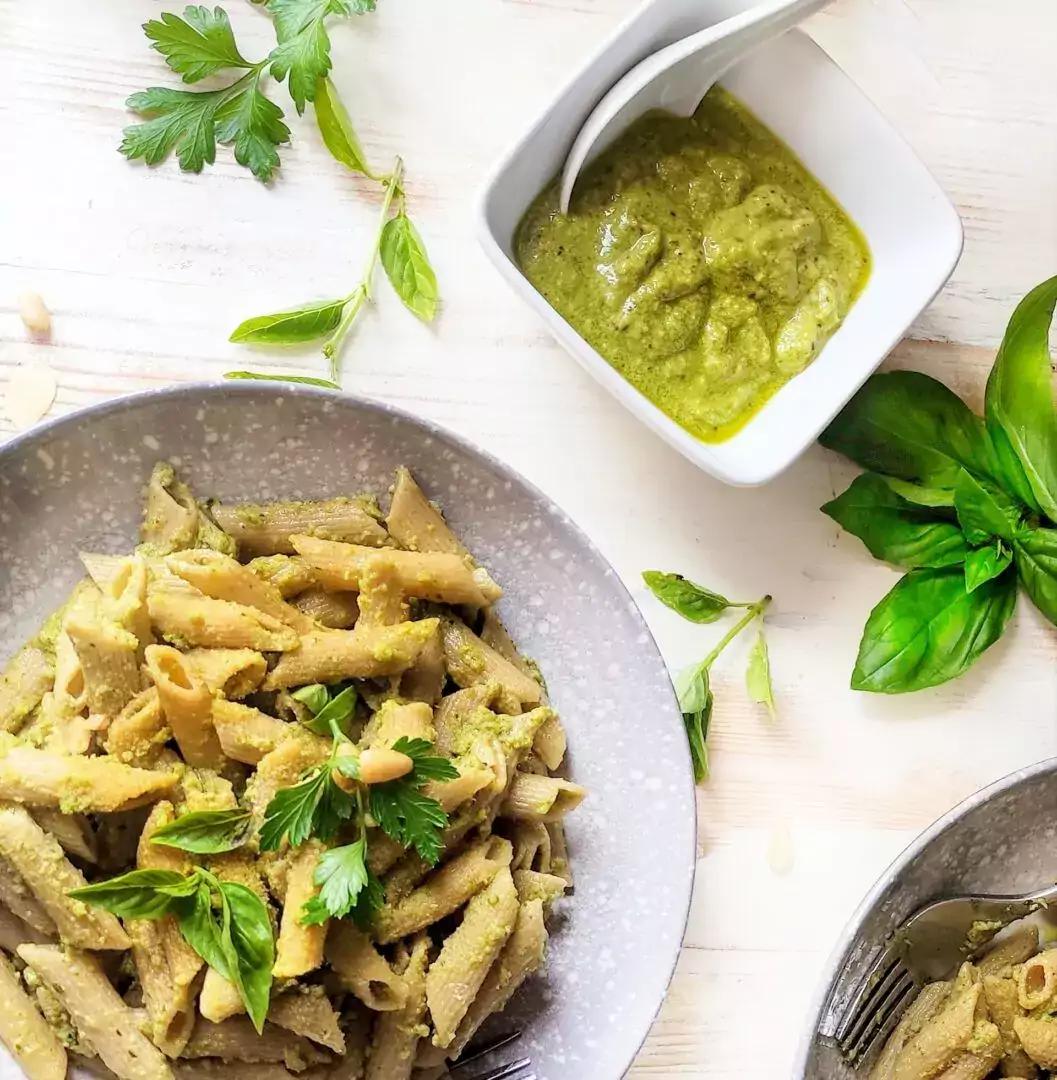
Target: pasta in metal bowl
point(277, 792)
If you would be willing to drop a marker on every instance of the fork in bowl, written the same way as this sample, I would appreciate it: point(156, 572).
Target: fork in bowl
point(928, 946)
point(519, 1069)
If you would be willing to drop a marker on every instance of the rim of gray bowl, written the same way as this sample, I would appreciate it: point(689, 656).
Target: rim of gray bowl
point(849, 935)
point(252, 387)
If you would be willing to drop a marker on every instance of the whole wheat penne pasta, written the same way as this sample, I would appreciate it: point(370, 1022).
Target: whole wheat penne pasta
point(26, 1033)
point(15, 932)
point(73, 831)
point(1003, 1006)
point(415, 523)
point(234, 673)
point(381, 600)
point(532, 847)
point(1037, 980)
point(237, 1040)
point(550, 743)
point(445, 579)
point(70, 689)
point(299, 948)
point(26, 679)
point(307, 1011)
point(215, 1069)
point(445, 891)
point(125, 600)
point(222, 578)
point(453, 793)
point(265, 529)
point(534, 885)
point(189, 620)
point(548, 798)
point(940, 1041)
point(456, 711)
point(394, 721)
point(471, 661)
point(329, 656)
point(457, 974)
point(99, 785)
point(334, 610)
point(247, 734)
point(396, 1033)
point(361, 969)
point(39, 860)
point(521, 956)
point(282, 767)
point(424, 680)
point(358, 1021)
point(19, 899)
point(170, 516)
point(137, 735)
point(290, 574)
point(104, 1020)
point(1038, 1039)
point(921, 1010)
point(559, 860)
point(1012, 948)
point(109, 657)
point(186, 705)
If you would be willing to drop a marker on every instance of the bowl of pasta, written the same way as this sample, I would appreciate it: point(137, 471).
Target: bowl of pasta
point(328, 746)
point(995, 1014)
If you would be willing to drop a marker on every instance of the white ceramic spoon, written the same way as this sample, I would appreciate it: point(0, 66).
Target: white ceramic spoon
point(677, 77)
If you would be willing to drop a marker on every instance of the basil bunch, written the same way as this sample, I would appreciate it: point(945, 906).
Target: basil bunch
point(966, 504)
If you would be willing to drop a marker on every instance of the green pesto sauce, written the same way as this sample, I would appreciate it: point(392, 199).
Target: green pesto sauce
point(701, 259)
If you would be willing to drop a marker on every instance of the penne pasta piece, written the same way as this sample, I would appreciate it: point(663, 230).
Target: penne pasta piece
point(19, 899)
point(550, 743)
point(1012, 948)
point(361, 969)
point(445, 891)
point(357, 1020)
point(1037, 980)
point(544, 798)
point(73, 831)
point(282, 767)
point(453, 793)
point(334, 610)
point(109, 657)
point(25, 1033)
point(468, 952)
point(521, 956)
point(234, 673)
point(299, 948)
point(533, 885)
point(188, 620)
point(222, 578)
point(921, 1010)
point(470, 661)
point(40, 862)
point(26, 679)
point(100, 1016)
point(415, 523)
point(329, 656)
point(237, 1040)
point(456, 711)
point(396, 1033)
point(395, 721)
point(445, 579)
point(532, 847)
point(265, 529)
point(290, 574)
point(1004, 1008)
point(70, 689)
point(247, 734)
point(125, 600)
point(186, 705)
point(15, 932)
point(307, 1011)
point(1038, 1039)
point(424, 680)
point(381, 597)
point(138, 734)
point(99, 785)
point(170, 516)
point(939, 1041)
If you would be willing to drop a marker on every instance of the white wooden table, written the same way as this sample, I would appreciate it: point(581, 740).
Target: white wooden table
point(147, 272)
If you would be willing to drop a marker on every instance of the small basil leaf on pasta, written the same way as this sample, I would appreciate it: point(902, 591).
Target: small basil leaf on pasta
point(336, 711)
point(758, 674)
point(307, 323)
point(203, 932)
point(694, 602)
point(250, 932)
point(136, 895)
point(206, 831)
point(313, 697)
point(407, 266)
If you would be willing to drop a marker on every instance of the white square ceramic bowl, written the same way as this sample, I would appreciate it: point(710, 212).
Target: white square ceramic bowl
point(914, 232)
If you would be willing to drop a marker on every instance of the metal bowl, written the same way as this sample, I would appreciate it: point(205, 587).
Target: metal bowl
point(1003, 839)
point(78, 482)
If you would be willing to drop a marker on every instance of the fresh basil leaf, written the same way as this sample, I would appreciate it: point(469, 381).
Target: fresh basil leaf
point(758, 674)
point(202, 931)
point(304, 380)
point(314, 697)
point(892, 528)
point(135, 895)
point(694, 602)
point(199, 44)
point(407, 266)
point(910, 426)
point(695, 701)
point(292, 811)
point(984, 563)
point(206, 831)
point(1019, 402)
point(985, 510)
point(254, 947)
point(936, 497)
point(928, 629)
point(306, 323)
point(1035, 551)
point(339, 136)
point(336, 711)
point(427, 764)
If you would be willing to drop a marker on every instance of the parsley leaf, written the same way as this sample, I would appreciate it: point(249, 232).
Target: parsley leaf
point(409, 817)
point(253, 125)
point(199, 44)
point(292, 811)
point(346, 886)
point(303, 52)
point(335, 807)
point(428, 766)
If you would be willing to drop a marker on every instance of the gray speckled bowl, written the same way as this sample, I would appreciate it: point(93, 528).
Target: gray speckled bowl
point(1003, 839)
point(77, 484)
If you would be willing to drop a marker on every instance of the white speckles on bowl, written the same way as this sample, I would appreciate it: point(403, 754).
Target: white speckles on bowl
point(77, 484)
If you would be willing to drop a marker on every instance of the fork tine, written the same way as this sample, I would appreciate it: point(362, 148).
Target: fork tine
point(478, 1050)
point(882, 1018)
point(501, 1072)
point(875, 974)
point(875, 994)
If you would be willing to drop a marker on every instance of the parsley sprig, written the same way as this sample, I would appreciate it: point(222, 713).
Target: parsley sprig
point(319, 806)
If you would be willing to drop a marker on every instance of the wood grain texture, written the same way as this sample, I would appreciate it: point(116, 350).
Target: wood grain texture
point(148, 270)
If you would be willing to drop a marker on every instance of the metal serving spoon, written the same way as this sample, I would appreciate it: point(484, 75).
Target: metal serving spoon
point(677, 77)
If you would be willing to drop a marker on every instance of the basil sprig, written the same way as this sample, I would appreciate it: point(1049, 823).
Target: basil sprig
point(965, 504)
point(226, 923)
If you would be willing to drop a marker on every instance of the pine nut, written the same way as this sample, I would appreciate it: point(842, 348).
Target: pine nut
point(380, 766)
